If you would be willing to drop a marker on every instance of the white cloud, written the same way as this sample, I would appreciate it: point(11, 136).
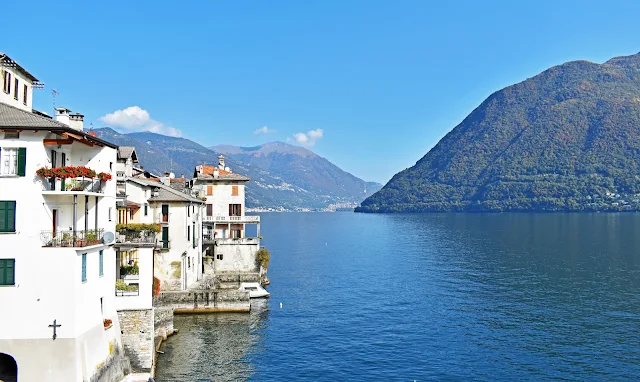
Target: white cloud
point(137, 119)
point(309, 138)
point(264, 130)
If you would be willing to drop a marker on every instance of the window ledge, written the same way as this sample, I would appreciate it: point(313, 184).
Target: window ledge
point(8, 286)
point(9, 176)
point(8, 233)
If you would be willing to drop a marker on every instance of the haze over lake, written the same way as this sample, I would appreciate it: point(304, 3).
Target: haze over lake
point(433, 296)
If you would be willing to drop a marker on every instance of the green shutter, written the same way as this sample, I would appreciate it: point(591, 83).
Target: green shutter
point(84, 267)
point(22, 160)
point(7, 216)
point(7, 271)
point(101, 264)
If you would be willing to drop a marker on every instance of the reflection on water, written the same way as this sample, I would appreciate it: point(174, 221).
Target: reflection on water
point(430, 297)
point(214, 347)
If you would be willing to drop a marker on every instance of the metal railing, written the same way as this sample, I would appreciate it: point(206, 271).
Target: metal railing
point(232, 219)
point(136, 237)
point(164, 244)
point(73, 185)
point(120, 175)
point(160, 218)
point(71, 238)
point(121, 293)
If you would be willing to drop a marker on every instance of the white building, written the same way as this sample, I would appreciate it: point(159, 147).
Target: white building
point(56, 260)
point(224, 222)
point(17, 84)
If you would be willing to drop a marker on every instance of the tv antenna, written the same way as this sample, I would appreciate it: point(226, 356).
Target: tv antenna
point(54, 93)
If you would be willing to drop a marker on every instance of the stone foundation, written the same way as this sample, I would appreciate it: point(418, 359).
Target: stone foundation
point(114, 368)
point(202, 301)
point(137, 328)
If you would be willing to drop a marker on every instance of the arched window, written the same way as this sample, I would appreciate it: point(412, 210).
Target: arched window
point(8, 368)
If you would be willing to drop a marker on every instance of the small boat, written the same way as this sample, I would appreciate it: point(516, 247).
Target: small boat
point(255, 290)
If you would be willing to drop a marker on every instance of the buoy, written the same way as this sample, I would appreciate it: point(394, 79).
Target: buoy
point(280, 305)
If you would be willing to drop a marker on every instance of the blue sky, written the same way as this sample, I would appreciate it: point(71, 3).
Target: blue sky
point(370, 85)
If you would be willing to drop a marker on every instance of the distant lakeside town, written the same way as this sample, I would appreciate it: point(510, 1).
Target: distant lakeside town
point(99, 253)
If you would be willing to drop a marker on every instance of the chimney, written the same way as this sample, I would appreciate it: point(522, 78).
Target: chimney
point(221, 162)
point(62, 115)
point(76, 121)
point(216, 173)
point(165, 179)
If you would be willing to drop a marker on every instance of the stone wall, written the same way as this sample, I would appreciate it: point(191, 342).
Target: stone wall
point(163, 322)
point(113, 369)
point(137, 328)
point(204, 300)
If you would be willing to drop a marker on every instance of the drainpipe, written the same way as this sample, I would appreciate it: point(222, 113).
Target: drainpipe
point(75, 214)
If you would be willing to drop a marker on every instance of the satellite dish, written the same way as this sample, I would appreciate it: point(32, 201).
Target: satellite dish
point(108, 238)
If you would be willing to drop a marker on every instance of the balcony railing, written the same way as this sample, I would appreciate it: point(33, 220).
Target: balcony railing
point(160, 218)
point(71, 238)
point(120, 175)
point(73, 185)
point(164, 244)
point(232, 219)
point(136, 237)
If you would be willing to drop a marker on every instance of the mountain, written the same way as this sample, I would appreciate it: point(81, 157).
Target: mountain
point(567, 139)
point(268, 189)
point(303, 168)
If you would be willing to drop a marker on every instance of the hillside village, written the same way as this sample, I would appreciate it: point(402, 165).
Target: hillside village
point(97, 253)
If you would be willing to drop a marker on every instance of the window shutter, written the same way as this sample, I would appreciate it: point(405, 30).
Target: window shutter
point(10, 272)
point(230, 209)
point(22, 160)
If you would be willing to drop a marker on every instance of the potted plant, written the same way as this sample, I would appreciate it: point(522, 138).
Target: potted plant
point(107, 323)
point(91, 237)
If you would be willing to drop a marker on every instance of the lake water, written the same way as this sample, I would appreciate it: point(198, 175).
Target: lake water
point(429, 297)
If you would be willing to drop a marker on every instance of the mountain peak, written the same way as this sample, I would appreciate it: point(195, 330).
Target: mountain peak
point(265, 149)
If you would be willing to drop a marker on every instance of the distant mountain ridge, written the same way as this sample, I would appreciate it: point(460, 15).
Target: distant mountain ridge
point(302, 167)
point(567, 139)
point(269, 189)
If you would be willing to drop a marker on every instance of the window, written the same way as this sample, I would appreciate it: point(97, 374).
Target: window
point(209, 209)
point(235, 210)
point(146, 209)
point(7, 271)
point(84, 267)
point(9, 161)
point(165, 213)
point(209, 190)
point(193, 242)
point(219, 256)
point(15, 90)
point(11, 135)
point(110, 166)
point(109, 214)
point(25, 93)
point(188, 211)
point(7, 216)
point(234, 190)
point(12, 160)
point(188, 232)
point(188, 262)
point(7, 82)
point(101, 263)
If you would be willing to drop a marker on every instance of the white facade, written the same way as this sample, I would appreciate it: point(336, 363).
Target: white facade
point(178, 263)
point(224, 220)
point(16, 84)
point(62, 272)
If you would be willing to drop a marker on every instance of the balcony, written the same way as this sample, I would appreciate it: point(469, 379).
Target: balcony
point(71, 239)
point(136, 238)
point(232, 219)
point(164, 244)
point(72, 186)
point(161, 219)
point(210, 238)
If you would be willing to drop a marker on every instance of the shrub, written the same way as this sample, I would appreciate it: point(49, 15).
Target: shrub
point(129, 270)
point(138, 227)
point(263, 257)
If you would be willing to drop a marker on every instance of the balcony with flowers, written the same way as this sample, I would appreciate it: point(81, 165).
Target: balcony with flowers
point(72, 180)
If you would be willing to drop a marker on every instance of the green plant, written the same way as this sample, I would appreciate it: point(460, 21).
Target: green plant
point(263, 257)
point(138, 227)
point(129, 270)
point(91, 236)
point(121, 285)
